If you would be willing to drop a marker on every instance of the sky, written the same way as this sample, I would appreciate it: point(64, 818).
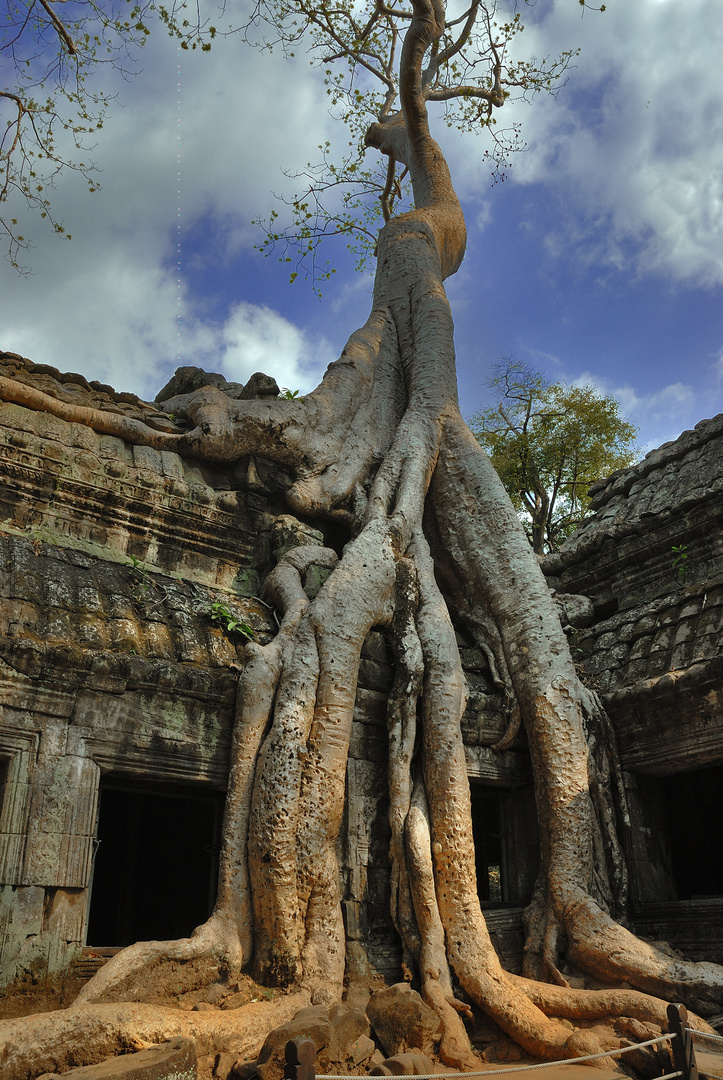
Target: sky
point(598, 260)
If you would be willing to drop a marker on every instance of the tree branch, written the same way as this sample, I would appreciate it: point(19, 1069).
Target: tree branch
point(60, 29)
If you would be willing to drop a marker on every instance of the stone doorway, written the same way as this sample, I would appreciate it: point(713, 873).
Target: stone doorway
point(156, 864)
point(489, 849)
point(693, 803)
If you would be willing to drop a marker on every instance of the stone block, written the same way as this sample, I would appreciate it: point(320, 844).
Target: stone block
point(369, 743)
point(375, 647)
point(354, 918)
point(408, 1064)
point(374, 675)
point(349, 1025)
point(370, 707)
point(311, 1023)
point(361, 1049)
point(402, 1021)
point(223, 1066)
point(174, 1060)
point(145, 457)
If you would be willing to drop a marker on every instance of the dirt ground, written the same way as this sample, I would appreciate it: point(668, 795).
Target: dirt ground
point(42, 997)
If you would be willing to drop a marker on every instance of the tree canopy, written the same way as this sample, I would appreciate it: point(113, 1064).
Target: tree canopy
point(549, 442)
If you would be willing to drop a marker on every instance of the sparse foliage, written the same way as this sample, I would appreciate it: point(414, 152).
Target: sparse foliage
point(681, 567)
point(52, 104)
point(549, 442)
point(52, 100)
point(470, 73)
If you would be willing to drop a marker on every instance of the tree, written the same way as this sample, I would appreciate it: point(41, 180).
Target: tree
point(380, 450)
point(549, 442)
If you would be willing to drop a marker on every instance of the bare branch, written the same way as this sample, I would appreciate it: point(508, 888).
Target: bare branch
point(60, 28)
point(395, 13)
point(463, 38)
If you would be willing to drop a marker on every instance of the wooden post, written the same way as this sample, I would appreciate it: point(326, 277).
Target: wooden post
point(300, 1059)
point(683, 1053)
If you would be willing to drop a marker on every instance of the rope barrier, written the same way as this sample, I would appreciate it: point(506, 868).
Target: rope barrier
point(706, 1035)
point(713, 1038)
point(540, 1064)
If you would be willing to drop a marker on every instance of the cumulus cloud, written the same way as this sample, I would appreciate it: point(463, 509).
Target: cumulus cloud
point(634, 144)
point(257, 338)
point(110, 303)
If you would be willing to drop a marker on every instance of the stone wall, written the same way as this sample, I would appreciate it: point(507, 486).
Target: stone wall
point(655, 653)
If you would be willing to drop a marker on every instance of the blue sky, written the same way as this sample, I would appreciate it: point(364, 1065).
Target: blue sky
point(599, 259)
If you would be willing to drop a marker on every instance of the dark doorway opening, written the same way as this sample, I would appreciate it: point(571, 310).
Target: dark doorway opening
point(156, 865)
point(4, 774)
point(489, 850)
point(693, 802)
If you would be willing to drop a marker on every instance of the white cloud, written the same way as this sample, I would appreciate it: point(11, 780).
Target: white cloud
point(106, 303)
point(633, 146)
point(259, 339)
point(665, 413)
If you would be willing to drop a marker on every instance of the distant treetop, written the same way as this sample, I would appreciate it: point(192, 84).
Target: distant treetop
point(550, 442)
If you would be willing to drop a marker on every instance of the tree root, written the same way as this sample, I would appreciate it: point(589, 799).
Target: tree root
point(454, 1048)
point(84, 1035)
point(599, 1004)
point(212, 951)
point(607, 951)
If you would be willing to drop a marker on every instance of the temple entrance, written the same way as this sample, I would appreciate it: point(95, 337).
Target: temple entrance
point(156, 865)
point(489, 853)
point(693, 802)
point(506, 843)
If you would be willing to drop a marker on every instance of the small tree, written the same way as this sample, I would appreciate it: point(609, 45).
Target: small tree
point(549, 442)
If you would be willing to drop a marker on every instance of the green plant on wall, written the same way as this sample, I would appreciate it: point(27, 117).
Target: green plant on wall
point(140, 581)
point(681, 568)
point(230, 623)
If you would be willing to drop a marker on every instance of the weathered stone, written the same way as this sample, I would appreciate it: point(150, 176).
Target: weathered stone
point(223, 1066)
point(187, 379)
point(407, 1064)
point(175, 1060)
point(244, 1070)
point(310, 1023)
point(401, 1020)
point(361, 1049)
point(348, 1025)
point(260, 385)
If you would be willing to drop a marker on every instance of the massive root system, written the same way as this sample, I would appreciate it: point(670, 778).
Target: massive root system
point(380, 448)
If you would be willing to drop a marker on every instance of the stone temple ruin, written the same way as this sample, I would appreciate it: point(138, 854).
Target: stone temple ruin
point(119, 687)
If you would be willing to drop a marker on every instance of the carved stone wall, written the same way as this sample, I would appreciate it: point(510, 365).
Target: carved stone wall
point(111, 557)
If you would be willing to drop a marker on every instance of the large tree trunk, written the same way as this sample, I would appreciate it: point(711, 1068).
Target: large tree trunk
point(381, 447)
